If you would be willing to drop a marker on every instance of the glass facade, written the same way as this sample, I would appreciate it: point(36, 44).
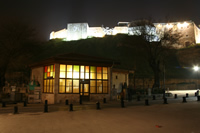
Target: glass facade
point(71, 75)
point(49, 75)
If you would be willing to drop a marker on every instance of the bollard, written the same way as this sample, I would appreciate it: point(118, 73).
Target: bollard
point(187, 95)
point(46, 102)
point(175, 96)
point(98, 105)
point(198, 98)
point(122, 102)
point(45, 108)
point(25, 104)
point(71, 107)
point(3, 104)
point(154, 97)
point(184, 100)
point(165, 101)
point(147, 102)
point(138, 98)
point(80, 101)
point(66, 102)
point(104, 100)
point(15, 110)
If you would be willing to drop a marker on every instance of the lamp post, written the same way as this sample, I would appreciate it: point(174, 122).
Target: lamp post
point(196, 69)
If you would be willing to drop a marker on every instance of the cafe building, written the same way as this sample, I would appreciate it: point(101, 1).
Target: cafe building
point(73, 77)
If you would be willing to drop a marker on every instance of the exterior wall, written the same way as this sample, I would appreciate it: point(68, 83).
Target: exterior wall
point(118, 29)
point(190, 33)
point(60, 98)
point(96, 32)
point(197, 34)
point(99, 97)
point(77, 31)
point(58, 34)
point(37, 73)
point(171, 84)
point(70, 97)
point(118, 79)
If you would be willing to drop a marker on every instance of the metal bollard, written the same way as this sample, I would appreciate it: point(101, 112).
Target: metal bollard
point(187, 95)
point(146, 102)
point(3, 104)
point(71, 107)
point(80, 101)
point(184, 100)
point(46, 108)
point(154, 97)
point(198, 98)
point(122, 102)
point(66, 102)
point(175, 96)
point(104, 100)
point(25, 104)
point(138, 98)
point(46, 101)
point(98, 105)
point(15, 110)
point(165, 101)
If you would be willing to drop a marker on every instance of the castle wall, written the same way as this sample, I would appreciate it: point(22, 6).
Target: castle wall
point(171, 84)
point(77, 31)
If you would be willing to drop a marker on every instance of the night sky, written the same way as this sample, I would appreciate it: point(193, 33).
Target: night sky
point(49, 15)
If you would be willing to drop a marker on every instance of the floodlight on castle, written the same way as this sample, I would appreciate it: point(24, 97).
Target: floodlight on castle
point(75, 31)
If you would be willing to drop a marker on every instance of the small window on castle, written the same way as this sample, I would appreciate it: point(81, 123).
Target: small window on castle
point(187, 43)
point(187, 36)
point(116, 77)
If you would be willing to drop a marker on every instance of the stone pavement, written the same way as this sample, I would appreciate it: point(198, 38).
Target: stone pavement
point(136, 117)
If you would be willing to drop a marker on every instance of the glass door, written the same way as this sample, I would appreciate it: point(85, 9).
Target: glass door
point(84, 91)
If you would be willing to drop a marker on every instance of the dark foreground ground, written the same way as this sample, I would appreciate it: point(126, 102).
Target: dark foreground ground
point(136, 117)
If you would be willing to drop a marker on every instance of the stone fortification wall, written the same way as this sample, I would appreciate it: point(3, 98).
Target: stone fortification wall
point(171, 84)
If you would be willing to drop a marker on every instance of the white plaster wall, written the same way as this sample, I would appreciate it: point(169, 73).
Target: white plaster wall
point(121, 78)
point(37, 73)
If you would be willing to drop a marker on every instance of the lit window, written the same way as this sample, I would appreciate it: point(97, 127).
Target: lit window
point(82, 72)
point(69, 71)
point(62, 71)
point(75, 86)
point(99, 86)
point(68, 86)
point(62, 86)
point(92, 72)
point(76, 71)
point(99, 72)
point(105, 86)
point(92, 86)
point(105, 73)
point(87, 70)
point(49, 74)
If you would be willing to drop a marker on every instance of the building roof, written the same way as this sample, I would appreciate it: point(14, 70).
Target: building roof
point(76, 59)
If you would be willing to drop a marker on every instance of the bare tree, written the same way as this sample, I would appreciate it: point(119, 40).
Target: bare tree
point(156, 44)
point(15, 38)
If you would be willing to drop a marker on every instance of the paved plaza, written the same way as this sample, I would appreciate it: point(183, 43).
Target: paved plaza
point(136, 117)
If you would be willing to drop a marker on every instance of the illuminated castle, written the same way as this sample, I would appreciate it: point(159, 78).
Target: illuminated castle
point(190, 33)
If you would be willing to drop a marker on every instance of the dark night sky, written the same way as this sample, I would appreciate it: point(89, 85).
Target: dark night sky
point(49, 15)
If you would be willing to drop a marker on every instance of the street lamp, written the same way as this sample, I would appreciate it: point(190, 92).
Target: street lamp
point(196, 69)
